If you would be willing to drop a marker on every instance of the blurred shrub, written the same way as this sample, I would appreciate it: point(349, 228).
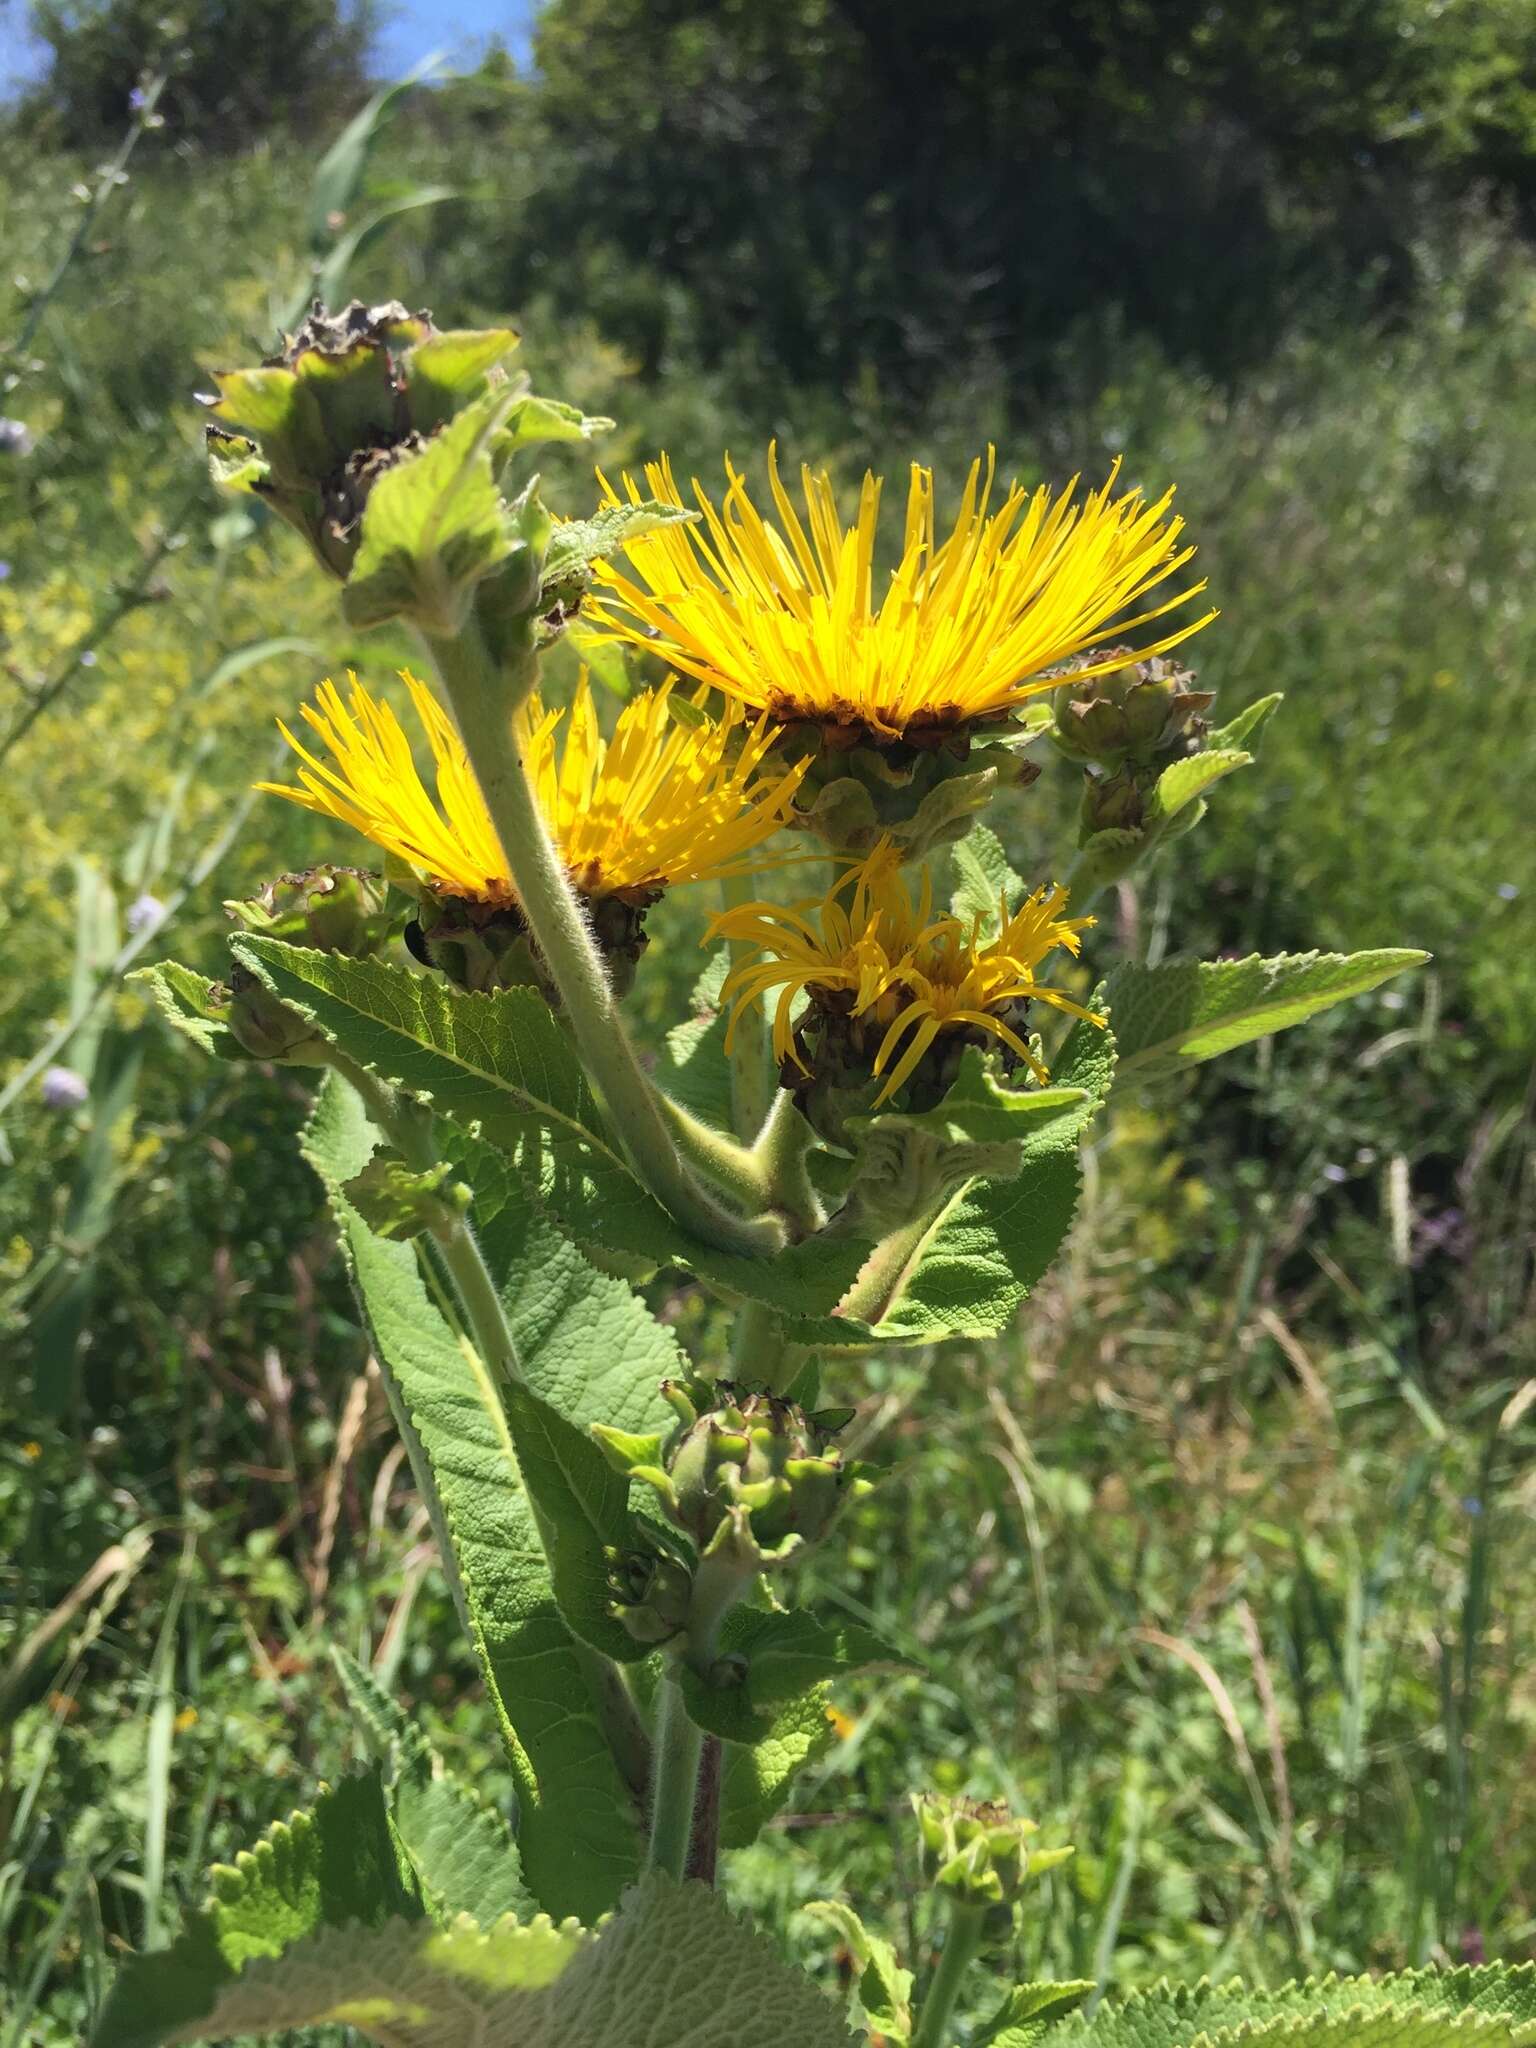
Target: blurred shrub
point(237, 68)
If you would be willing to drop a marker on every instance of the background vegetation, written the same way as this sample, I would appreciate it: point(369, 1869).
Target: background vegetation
point(1223, 1564)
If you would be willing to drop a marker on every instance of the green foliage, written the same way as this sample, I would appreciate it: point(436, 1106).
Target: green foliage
point(462, 1855)
point(1186, 1010)
point(577, 1825)
point(502, 1063)
point(772, 1660)
point(672, 1961)
point(333, 1868)
point(1423, 2009)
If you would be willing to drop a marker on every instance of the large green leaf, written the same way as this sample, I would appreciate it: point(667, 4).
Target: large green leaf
point(994, 1239)
point(583, 1508)
point(333, 1867)
point(1488, 2007)
point(434, 525)
point(674, 1966)
point(756, 1780)
point(768, 1658)
point(1188, 1010)
point(503, 1062)
point(463, 1854)
point(577, 1826)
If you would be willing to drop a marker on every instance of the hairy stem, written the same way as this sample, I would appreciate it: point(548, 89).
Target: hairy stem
point(769, 1175)
point(678, 1746)
point(408, 1127)
point(935, 2023)
point(483, 702)
point(761, 1353)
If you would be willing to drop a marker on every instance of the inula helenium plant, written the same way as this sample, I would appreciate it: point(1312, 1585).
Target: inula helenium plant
point(868, 1138)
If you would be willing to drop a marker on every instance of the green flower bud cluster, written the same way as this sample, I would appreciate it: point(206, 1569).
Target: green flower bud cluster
point(745, 1481)
point(918, 793)
point(346, 398)
point(1132, 713)
point(1125, 726)
point(980, 1853)
point(338, 910)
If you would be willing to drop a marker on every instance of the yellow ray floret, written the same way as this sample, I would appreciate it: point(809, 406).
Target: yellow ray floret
point(883, 957)
point(791, 619)
point(662, 801)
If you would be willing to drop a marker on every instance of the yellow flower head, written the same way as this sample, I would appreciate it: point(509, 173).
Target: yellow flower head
point(872, 953)
point(662, 801)
point(790, 618)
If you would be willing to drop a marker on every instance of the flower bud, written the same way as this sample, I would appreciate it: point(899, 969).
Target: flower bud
point(978, 1852)
point(1134, 712)
point(1115, 803)
point(749, 1478)
point(916, 794)
point(337, 910)
point(652, 1593)
point(346, 398)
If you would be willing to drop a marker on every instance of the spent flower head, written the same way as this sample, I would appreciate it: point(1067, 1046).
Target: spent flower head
point(887, 979)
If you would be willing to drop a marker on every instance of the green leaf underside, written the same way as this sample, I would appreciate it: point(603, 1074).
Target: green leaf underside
point(983, 876)
point(577, 1829)
point(435, 523)
point(985, 1109)
point(1247, 724)
point(789, 1657)
point(583, 1505)
point(1491, 2006)
point(503, 1063)
point(674, 1966)
point(575, 544)
point(996, 1238)
point(186, 1000)
point(1024, 2015)
point(883, 1989)
point(333, 1867)
point(462, 1852)
point(756, 1781)
point(1185, 780)
point(1184, 1011)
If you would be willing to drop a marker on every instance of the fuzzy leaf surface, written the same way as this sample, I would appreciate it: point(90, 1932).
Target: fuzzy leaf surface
point(187, 1001)
point(463, 1853)
point(333, 1867)
point(673, 1966)
point(502, 1062)
point(882, 1988)
point(1491, 2006)
point(788, 1656)
point(434, 525)
point(983, 877)
point(577, 1828)
point(1184, 1011)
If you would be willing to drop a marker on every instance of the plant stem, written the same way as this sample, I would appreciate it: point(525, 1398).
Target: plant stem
point(769, 1175)
point(483, 703)
point(961, 1944)
point(761, 1353)
point(408, 1127)
point(679, 1743)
